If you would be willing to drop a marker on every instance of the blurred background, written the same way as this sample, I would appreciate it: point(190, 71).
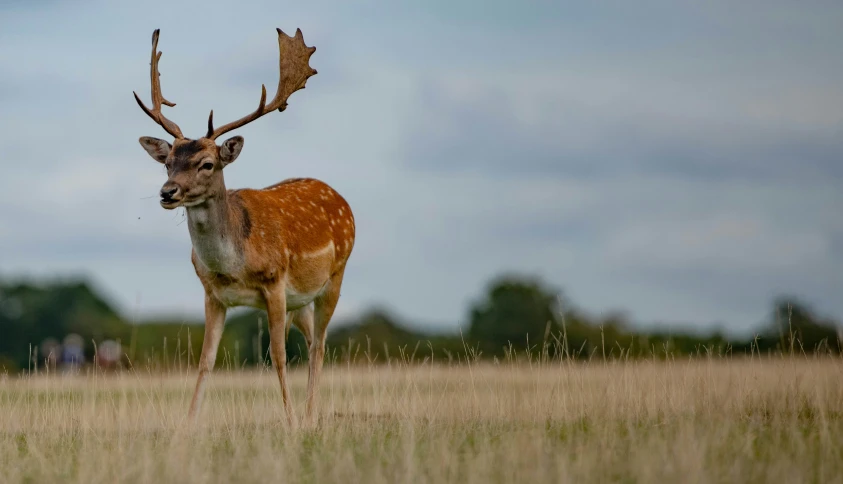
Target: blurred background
point(661, 173)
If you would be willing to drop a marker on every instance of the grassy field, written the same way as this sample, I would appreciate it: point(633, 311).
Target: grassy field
point(707, 420)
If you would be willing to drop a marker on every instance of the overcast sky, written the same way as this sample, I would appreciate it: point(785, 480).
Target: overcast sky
point(681, 161)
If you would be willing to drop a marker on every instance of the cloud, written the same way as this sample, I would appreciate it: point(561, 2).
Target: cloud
point(480, 127)
point(677, 161)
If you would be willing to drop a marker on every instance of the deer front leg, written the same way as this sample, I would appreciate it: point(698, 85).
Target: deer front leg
point(214, 324)
point(276, 310)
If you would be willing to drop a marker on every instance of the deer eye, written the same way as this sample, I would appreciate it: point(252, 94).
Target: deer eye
point(207, 166)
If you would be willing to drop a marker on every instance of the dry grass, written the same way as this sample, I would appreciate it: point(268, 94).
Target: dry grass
point(774, 420)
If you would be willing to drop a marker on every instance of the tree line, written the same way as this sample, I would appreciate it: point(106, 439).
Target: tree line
point(517, 317)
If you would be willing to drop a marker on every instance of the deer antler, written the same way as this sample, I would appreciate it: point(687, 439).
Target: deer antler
point(157, 97)
point(294, 72)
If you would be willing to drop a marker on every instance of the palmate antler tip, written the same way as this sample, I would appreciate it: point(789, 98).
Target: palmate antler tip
point(298, 34)
point(295, 71)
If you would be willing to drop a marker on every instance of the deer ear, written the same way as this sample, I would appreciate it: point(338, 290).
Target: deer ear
point(230, 149)
point(158, 149)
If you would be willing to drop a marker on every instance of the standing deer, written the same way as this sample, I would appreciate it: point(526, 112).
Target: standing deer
point(283, 248)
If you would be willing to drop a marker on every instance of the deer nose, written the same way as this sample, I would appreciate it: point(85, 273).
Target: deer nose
point(168, 192)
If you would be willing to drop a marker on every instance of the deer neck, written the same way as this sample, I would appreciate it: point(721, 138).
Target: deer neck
point(213, 236)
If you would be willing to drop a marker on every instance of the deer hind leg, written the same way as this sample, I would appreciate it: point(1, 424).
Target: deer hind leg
point(276, 310)
point(214, 324)
point(324, 307)
point(302, 319)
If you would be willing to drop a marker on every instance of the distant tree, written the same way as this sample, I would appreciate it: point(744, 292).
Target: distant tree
point(515, 311)
point(374, 335)
point(31, 313)
point(794, 326)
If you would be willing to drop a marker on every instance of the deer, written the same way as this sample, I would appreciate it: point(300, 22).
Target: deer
point(282, 249)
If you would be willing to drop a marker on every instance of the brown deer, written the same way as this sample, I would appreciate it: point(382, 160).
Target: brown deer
point(283, 248)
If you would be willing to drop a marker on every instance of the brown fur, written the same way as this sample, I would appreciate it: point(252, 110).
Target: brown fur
point(283, 248)
point(288, 222)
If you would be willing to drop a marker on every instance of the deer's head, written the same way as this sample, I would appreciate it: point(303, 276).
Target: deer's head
point(194, 166)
